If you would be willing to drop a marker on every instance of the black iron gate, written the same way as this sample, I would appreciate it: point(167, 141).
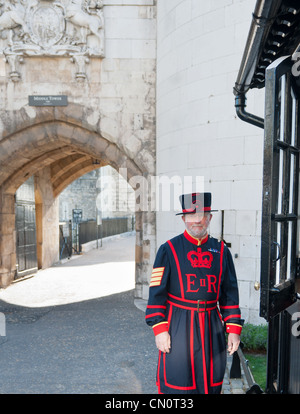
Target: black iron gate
point(279, 216)
point(25, 230)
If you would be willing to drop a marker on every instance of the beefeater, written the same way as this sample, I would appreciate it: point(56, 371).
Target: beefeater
point(193, 300)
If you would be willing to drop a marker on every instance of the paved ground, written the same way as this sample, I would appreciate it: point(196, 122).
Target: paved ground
point(75, 328)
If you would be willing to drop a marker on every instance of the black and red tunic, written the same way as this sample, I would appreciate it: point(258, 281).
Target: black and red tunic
point(193, 294)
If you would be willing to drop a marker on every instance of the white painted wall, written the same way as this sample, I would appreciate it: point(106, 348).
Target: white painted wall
point(200, 44)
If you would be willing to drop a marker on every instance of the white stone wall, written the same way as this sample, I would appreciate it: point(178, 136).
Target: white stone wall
point(130, 31)
point(199, 50)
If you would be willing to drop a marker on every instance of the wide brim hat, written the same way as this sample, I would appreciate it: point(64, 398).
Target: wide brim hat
point(195, 203)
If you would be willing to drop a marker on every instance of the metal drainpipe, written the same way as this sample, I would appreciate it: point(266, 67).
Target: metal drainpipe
point(264, 14)
point(240, 105)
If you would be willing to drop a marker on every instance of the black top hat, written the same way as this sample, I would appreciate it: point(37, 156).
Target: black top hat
point(195, 203)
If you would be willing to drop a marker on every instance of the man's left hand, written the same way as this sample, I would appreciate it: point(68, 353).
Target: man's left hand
point(233, 342)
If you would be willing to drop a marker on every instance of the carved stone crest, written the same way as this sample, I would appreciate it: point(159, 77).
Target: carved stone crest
point(46, 25)
point(72, 28)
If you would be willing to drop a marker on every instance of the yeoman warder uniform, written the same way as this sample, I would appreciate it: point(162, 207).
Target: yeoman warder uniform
point(193, 295)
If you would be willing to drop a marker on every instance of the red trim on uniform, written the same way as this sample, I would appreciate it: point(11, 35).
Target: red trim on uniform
point(188, 210)
point(178, 268)
point(157, 375)
point(164, 358)
point(212, 383)
point(160, 327)
point(155, 314)
point(232, 328)
point(164, 355)
point(194, 209)
point(178, 387)
point(194, 240)
point(232, 316)
point(202, 333)
point(221, 268)
point(188, 300)
point(192, 349)
point(190, 307)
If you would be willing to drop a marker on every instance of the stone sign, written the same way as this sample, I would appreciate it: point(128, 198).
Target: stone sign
point(48, 100)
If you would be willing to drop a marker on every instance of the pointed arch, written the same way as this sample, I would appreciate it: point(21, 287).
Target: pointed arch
point(59, 142)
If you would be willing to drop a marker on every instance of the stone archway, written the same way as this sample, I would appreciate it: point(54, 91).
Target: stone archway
point(57, 146)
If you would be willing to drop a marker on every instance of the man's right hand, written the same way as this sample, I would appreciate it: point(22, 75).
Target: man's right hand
point(163, 342)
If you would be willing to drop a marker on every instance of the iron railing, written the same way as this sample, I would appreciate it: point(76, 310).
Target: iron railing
point(74, 235)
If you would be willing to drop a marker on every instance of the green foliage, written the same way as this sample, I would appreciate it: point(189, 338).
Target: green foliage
point(254, 337)
point(258, 367)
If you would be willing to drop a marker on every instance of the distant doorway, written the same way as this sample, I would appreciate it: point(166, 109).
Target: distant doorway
point(26, 246)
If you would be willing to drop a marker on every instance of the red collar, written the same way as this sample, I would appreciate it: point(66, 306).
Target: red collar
point(193, 240)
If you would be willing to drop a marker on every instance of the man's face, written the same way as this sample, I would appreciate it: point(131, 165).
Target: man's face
point(197, 224)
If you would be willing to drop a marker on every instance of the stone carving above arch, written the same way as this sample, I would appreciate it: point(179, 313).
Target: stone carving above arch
point(54, 28)
point(73, 123)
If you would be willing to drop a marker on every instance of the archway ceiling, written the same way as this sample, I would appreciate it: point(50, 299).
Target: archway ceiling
point(69, 150)
point(66, 165)
point(73, 167)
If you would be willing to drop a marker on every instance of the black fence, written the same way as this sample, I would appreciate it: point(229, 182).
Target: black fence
point(89, 230)
point(73, 236)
